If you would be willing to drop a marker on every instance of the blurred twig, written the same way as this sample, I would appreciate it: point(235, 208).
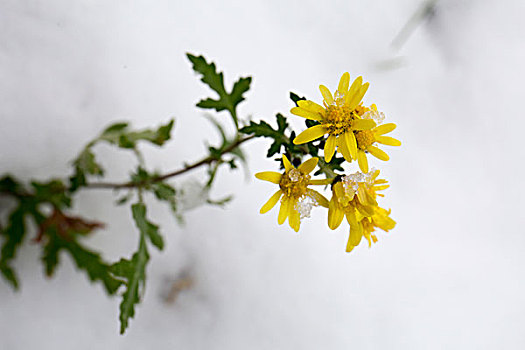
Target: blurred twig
point(425, 11)
point(181, 283)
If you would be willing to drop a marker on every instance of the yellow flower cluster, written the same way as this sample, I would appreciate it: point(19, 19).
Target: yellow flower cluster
point(353, 130)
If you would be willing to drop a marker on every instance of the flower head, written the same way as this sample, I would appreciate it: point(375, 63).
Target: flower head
point(354, 197)
point(296, 198)
point(349, 125)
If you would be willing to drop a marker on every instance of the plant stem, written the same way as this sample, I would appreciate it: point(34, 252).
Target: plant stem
point(159, 178)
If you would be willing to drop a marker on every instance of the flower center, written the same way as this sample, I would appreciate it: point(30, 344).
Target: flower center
point(338, 119)
point(364, 138)
point(294, 183)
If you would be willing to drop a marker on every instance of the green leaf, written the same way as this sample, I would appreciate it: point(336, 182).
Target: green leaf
point(295, 98)
point(9, 274)
point(9, 185)
point(54, 192)
point(329, 168)
point(85, 259)
point(115, 129)
point(141, 176)
point(215, 80)
point(14, 235)
point(146, 228)
point(165, 192)
point(87, 164)
point(50, 256)
point(263, 129)
point(220, 202)
point(93, 264)
point(120, 135)
point(134, 273)
point(239, 88)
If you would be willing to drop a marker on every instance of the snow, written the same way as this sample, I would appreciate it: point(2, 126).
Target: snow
point(448, 276)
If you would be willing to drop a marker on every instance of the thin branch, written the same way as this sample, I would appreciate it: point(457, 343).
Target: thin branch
point(159, 178)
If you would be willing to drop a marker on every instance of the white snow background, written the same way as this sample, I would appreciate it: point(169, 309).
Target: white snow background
point(449, 276)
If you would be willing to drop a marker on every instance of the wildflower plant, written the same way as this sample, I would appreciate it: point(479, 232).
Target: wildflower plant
point(339, 132)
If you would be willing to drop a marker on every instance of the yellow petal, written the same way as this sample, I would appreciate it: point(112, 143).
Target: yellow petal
point(387, 140)
point(382, 187)
point(342, 197)
point(351, 143)
point(305, 113)
point(354, 89)
point(320, 182)
point(310, 134)
point(363, 162)
point(329, 148)
point(319, 198)
point(363, 124)
point(350, 217)
point(365, 210)
point(308, 166)
point(361, 195)
point(356, 99)
point(270, 176)
point(327, 95)
point(284, 210)
point(343, 83)
point(271, 202)
point(376, 152)
point(384, 129)
point(356, 233)
point(286, 163)
point(311, 106)
point(343, 148)
point(335, 215)
point(294, 219)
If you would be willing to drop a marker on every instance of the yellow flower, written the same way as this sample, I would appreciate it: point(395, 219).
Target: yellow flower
point(355, 197)
point(297, 199)
point(347, 122)
point(367, 138)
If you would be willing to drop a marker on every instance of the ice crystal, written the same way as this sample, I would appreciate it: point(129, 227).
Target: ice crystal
point(294, 175)
point(304, 206)
point(376, 116)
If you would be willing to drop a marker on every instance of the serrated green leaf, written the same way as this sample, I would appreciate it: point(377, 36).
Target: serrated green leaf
point(215, 80)
point(263, 129)
point(14, 235)
point(239, 88)
point(329, 168)
point(86, 260)
point(141, 176)
point(93, 264)
point(9, 274)
point(146, 227)
point(54, 192)
point(163, 191)
point(121, 136)
point(116, 128)
point(295, 98)
point(9, 185)
point(134, 273)
point(87, 164)
point(50, 256)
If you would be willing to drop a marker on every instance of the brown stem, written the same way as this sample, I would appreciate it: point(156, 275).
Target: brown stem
point(159, 178)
